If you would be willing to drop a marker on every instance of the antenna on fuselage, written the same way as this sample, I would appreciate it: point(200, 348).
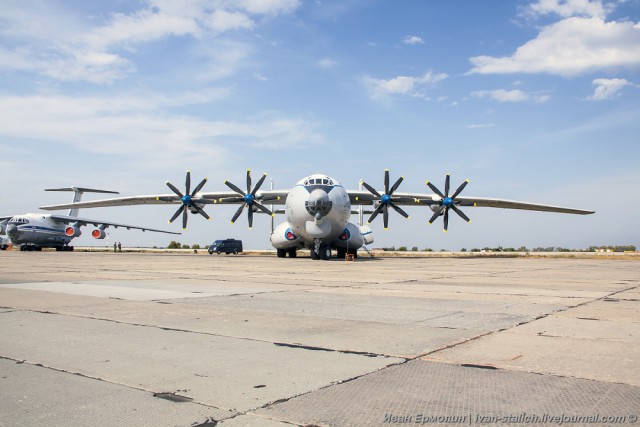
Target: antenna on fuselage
point(78, 191)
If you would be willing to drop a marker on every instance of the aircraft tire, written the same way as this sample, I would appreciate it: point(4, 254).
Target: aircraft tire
point(281, 253)
point(325, 253)
point(314, 254)
point(293, 253)
point(4, 247)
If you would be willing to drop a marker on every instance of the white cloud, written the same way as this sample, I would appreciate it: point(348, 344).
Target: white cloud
point(327, 63)
point(403, 85)
point(516, 95)
point(481, 126)
point(141, 128)
point(412, 40)
point(607, 89)
point(570, 47)
point(567, 8)
point(42, 39)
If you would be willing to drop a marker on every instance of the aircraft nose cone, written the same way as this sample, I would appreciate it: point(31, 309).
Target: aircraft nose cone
point(12, 229)
point(318, 205)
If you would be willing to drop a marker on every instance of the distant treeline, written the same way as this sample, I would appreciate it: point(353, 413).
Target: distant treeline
point(607, 248)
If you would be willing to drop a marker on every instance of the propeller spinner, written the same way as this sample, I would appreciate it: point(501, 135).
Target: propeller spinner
point(386, 199)
point(448, 202)
point(248, 199)
point(187, 200)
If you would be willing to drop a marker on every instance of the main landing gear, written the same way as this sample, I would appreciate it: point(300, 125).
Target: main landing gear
point(283, 252)
point(29, 248)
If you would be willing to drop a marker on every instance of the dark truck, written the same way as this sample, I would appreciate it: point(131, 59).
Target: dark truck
point(228, 246)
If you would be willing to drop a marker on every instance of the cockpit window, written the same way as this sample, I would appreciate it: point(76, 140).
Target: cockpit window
point(19, 220)
point(318, 181)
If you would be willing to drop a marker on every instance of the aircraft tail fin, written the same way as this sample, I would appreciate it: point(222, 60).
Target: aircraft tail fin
point(78, 191)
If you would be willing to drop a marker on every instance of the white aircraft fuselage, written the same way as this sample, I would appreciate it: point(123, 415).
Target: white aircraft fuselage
point(318, 209)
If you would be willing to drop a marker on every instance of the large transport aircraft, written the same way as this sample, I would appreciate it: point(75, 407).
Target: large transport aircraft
point(318, 209)
point(34, 231)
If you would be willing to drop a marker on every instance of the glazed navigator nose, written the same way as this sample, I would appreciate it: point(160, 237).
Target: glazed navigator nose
point(12, 230)
point(318, 205)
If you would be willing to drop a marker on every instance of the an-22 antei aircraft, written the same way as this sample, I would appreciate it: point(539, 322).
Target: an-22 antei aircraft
point(318, 209)
point(34, 231)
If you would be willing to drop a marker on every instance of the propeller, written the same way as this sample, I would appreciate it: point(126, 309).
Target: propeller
point(386, 199)
point(447, 202)
point(248, 199)
point(186, 199)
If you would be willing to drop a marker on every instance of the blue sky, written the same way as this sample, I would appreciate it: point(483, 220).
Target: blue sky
point(530, 100)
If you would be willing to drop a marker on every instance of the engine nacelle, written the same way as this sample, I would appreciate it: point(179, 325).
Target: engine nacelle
point(72, 231)
point(98, 233)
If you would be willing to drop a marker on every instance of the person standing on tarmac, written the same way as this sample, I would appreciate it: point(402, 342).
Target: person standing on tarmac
point(119, 247)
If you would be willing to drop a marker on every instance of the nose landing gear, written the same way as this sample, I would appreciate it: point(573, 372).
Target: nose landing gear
point(320, 251)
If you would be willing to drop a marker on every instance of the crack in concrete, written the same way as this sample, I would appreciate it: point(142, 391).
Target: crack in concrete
point(90, 377)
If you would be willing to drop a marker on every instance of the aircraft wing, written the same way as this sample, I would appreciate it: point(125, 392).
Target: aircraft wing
point(65, 219)
point(417, 199)
point(270, 197)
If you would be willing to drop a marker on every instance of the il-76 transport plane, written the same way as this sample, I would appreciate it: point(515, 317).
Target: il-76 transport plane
point(34, 231)
point(318, 209)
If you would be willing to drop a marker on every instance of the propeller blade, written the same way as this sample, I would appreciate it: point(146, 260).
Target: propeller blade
point(174, 189)
point(371, 189)
point(459, 190)
point(166, 199)
point(446, 185)
point(175, 215)
point(399, 210)
point(199, 187)
point(248, 181)
point(250, 217)
point(234, 188)
point(185, 214)
point(386, 181)
point(270, 198)
point(375, 213)
point(262, 208)
point(435, 189)
point(385, 217)
point(201, 211)
point(187, 184)
point(446, 219)
point(436, 215)
point(257, 187)
point(232, 200)
point(238, 212)
point(396, 185)
point(460, 213)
